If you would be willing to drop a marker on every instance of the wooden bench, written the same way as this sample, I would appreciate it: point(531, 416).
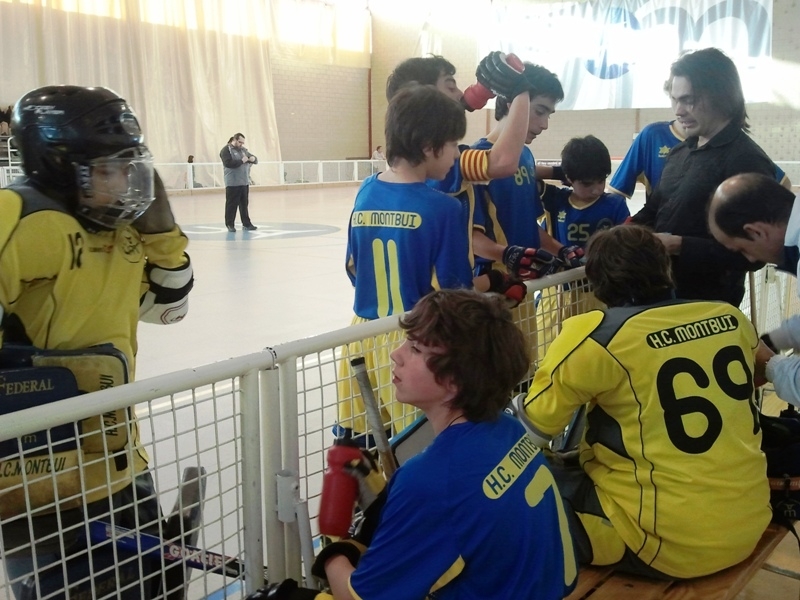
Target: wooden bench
point(603, 583)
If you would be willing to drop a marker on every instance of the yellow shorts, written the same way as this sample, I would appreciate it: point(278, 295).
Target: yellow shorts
point(376, 352)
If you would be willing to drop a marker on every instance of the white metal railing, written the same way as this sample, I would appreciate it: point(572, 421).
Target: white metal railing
point(180, 176)
point(8, 174)
point(260, 425)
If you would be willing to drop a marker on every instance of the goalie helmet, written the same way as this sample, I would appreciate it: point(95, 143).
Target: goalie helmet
point(85, 144)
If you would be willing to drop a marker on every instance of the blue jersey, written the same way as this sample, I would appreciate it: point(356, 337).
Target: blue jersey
point(645, 158)
point(572, 225)
point(507, 209)
point(404, 240)
point(453, 514)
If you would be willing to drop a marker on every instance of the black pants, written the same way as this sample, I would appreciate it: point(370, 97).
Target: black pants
point(237, 197)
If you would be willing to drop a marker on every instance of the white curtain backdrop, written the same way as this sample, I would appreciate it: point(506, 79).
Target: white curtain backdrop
point(195, 71)
point(617, 53)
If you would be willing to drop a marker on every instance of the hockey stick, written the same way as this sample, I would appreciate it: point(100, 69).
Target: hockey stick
point(150, 545)
point(388, 461)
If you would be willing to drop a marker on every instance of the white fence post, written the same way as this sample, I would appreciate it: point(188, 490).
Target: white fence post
point(291, 456)
point(271, 465)
point(251, 482)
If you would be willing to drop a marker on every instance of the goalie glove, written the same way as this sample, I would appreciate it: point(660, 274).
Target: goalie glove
point(166, 300)
point(572, 256)
point(531, 263)
point(496, 73)
point(510, 287)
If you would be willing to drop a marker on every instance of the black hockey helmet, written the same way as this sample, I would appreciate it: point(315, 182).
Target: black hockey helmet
point(62, 132)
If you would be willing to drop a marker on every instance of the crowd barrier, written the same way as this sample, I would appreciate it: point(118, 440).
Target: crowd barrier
point(190, 176)
point(259, 425)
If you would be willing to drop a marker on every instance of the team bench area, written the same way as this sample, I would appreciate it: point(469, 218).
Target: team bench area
point(603, 583)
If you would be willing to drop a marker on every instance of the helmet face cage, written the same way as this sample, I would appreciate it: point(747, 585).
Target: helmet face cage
point(115, 190)
point(63, 131)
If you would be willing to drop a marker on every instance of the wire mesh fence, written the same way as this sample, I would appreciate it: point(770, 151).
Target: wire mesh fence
point(236, 458)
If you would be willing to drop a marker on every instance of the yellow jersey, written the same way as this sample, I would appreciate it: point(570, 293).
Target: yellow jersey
point(672, 441)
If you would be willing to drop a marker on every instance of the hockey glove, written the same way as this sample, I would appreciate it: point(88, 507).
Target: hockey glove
point(371, 482)
point(572, 256)
point(285, 590)
point(495, 74)
point(158, 217)
point(531, 263)
point(507, 285)
point(371, 497)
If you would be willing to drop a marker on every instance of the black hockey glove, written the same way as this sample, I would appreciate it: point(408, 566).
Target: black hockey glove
point(507, 285)
point(371, 498)
point(531, 263)
point(572, 256)
point(495, 74)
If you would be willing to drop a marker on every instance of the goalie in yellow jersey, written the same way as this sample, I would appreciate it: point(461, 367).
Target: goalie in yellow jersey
point(88, 246)
point(670, 458)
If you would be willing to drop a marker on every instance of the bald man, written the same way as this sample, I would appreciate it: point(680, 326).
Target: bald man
point(758, 217)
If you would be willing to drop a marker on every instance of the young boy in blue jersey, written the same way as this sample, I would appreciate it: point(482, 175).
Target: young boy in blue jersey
point(406, 239)
point(573, 214)
point(498, 160)
point(472, 165)
point(505, 229)
point(445, 522)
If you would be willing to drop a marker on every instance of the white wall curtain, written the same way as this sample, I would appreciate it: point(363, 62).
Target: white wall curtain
point(195, 71)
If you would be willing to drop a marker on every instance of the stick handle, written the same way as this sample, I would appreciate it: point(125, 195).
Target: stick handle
point(388, 461)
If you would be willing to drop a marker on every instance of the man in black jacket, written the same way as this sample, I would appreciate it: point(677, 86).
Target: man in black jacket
point(708, 101)
point(236, 160)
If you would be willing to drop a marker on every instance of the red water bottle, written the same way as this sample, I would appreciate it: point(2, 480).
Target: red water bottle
point(339, 490)
point(476, 96)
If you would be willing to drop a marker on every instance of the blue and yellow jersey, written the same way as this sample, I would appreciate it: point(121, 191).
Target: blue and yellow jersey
point(449, 512)
point(507, 209)
point(645, 159)
point(404, 240)
point(672, 427)
point(573, 225)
